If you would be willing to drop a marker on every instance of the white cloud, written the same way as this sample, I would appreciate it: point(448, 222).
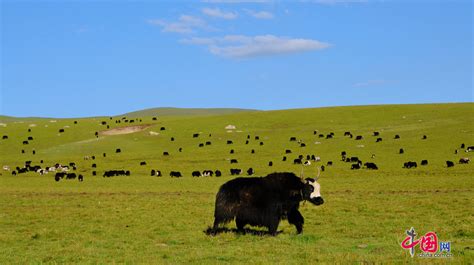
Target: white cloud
point(372, 83)
point(198, 41)
point(185, 24)
point(216, 12)
point(260, 14)
point(241, 46)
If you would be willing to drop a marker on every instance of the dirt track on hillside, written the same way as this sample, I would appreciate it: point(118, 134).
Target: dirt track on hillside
point(125, 130)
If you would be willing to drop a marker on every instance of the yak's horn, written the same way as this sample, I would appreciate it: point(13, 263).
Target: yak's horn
point(319, 173)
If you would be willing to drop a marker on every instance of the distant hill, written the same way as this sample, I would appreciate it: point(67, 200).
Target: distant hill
point(184, 112)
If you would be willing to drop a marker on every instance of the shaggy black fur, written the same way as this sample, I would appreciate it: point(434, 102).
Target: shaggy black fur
point(262, 201)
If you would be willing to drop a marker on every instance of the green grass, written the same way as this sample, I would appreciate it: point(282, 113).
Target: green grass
point(144, 219)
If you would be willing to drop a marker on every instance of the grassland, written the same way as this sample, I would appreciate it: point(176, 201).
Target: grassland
point(144, 219)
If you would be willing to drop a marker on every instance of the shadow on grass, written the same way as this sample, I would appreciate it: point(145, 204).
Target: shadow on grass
point(213, 232)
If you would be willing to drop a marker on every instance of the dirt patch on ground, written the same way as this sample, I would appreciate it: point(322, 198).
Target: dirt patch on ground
point(125, 130)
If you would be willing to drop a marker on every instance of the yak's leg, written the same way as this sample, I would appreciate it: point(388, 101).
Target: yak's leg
point(216, 223)
point(273, 226)
point(240, 224)
point(295, 218)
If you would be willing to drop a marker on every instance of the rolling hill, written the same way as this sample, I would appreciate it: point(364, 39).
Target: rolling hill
point(184, 112)
point(142, 218)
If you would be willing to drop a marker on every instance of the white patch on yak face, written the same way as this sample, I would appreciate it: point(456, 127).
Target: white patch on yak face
point(316, 189)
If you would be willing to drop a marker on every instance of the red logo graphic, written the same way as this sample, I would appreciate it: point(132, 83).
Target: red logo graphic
point(428, 244)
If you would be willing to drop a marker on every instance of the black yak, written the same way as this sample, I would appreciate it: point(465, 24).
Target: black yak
point(175, 174)
point(250, 171)
point(264, 201)
point(370, 165)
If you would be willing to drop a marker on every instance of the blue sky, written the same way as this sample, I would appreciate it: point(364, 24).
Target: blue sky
point(87, 58)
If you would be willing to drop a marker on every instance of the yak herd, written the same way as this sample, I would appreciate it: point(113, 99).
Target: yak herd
point(62, 171)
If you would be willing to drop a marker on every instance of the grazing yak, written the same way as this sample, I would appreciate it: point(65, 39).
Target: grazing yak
point(264, 201)
point(464, 160)
point(370, 165)
point(175, 174)
point(235, 171)
point(355, 166)
point(207, 173)
point(250, 171)
point(297, 161)
point(410, 164)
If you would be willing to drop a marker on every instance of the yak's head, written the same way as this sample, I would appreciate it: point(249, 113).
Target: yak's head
point(311, 192)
